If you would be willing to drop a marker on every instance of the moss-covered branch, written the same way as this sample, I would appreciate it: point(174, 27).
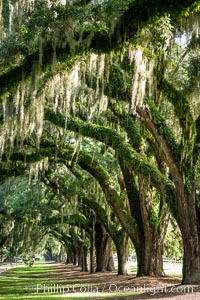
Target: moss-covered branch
point(126, 122)
point(157, 152)
point(154, 122)
point(163, 130)
point(77, 219)
point(182, 110)
point(131, 158)
point(63, 238)
point(101, 215)
point(91, 165)
point(96, 207)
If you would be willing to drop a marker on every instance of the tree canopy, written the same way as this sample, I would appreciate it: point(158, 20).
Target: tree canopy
point(99, 126)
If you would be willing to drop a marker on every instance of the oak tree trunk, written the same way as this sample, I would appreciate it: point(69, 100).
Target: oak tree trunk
point(191, 263)
point(149, 251)
point(122, 252)
point(190, 235)
point(84, 265)
point(103, 244)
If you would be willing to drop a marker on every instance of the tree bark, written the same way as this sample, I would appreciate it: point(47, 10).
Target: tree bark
point(121, 243)
point(149, 257)
point(84, 266)
point(110, 262)
point(103, 243)
point(92, 246)
point(191, 262)
point(151, 244)
point(80, 255)
point(190, 236)
point(69, 257)
point(74, 256)
point(150, 239)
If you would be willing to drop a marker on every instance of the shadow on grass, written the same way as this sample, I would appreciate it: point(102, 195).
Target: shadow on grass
point(57, 281)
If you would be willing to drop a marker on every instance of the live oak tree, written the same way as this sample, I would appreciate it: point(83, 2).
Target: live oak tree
point(137, 217)
point(24, 213)
point(181, 154)
point(35, 77)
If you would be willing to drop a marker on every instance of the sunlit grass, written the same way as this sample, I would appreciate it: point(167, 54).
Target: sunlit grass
point(23, 282)
point(47, 281)
point(133, 269)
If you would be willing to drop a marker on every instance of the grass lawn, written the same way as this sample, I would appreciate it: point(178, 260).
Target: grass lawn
point(58, 281)
point(51, 281)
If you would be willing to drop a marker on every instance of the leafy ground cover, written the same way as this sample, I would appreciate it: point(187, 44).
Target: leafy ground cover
point(57, 281)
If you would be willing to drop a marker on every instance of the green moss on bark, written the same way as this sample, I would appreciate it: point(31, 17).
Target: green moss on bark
point(112, 138)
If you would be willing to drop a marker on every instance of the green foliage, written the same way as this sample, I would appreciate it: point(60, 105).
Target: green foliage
point(165, 131)
point(153, 219)
point(193, 75)
point(181, 107)
point(118, 79)
point(195, 7)
point(160, 35)
point(127, 123)
point(173, 247)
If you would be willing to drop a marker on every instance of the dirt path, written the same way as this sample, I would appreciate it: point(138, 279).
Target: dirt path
point(4, 268)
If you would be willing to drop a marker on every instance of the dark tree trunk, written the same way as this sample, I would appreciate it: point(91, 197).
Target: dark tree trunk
point(191, 263)
point(103, 244)
point(121, 243)
point(150, 238)
point(191, 241)
point(75, 256)
point(57, 258)
point(3, 240)
point(150, 261)
point(92, 260)
point(149, 257)
point(92, 247)
point(69, 257)
point(80, 255)
point(109, 255)
point(84, 266)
